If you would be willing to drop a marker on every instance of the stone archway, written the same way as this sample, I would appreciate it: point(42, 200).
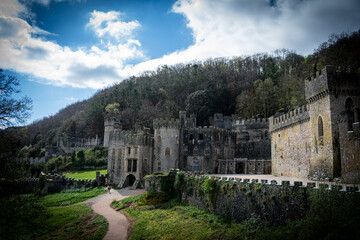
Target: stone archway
point(129, 181)
point(240, 168)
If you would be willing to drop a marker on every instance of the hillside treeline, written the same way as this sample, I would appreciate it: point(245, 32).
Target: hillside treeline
point(257, 85)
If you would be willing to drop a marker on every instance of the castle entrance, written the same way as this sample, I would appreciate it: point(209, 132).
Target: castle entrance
point(129, 181)
point(240, 168)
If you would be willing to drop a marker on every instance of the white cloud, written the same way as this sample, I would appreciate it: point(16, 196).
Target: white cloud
point(220, 29)
point(233, 27)
point(110, 24)
point(96, 67)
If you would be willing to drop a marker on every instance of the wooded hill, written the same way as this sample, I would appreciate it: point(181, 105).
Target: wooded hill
point(257, 85)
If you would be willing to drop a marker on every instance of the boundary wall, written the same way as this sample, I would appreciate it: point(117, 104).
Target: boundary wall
point(240, 199)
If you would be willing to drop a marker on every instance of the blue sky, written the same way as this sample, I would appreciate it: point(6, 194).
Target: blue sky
point(64, 51)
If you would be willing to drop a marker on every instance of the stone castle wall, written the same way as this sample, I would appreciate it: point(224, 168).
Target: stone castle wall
point(166, 147)
point(240, 198)
point(126, 149)
point(52, 183)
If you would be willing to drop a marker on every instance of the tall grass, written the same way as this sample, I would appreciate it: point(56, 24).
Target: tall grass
point(85, 174)
point(53, 216)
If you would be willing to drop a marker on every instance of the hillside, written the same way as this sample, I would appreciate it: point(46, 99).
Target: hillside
point(261, 84)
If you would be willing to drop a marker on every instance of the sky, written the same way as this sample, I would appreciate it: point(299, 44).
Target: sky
point(63, 51)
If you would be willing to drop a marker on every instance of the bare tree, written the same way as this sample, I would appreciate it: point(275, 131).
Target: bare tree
point(12, 111)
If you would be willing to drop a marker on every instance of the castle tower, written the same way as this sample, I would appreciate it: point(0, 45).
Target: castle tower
point(331, 93)
point(166, 144)
point(108, 128)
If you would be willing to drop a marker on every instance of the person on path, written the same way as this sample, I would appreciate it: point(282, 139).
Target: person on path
point(108, 188)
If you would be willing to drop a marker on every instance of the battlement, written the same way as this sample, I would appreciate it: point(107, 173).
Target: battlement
point(132, 137)
point(251, 123)
point(166, 123)
point(332, 81)
point(290, 118)
point(109, 122)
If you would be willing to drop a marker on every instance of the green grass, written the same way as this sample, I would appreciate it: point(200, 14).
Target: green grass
point(331, 216)
point(54, 216)
point(172, 220)
point(68, 197)
point(89, 174)
point(73, 222)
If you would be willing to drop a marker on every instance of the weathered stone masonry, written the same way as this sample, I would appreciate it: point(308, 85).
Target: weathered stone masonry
point(321, 139)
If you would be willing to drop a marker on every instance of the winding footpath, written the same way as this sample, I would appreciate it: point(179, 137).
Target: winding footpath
point(118, 223)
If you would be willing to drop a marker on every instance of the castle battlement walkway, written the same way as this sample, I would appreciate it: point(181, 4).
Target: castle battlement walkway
point(279, 180)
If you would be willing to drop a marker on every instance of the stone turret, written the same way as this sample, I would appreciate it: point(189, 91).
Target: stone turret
point(109, 125)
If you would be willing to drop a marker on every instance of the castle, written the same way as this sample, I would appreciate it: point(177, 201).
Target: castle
point(230, 145)
point(321, 140)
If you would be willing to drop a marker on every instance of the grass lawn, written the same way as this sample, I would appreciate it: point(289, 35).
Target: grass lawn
point(172, 220)
point(156, 216)
point(53, 216)
point(89, 174)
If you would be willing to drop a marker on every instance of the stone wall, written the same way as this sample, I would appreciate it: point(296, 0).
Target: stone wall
point(240, 199)
point(291, 150)
point(129, 150)
point(166, 145)
point(31, 160)
point(52, 183)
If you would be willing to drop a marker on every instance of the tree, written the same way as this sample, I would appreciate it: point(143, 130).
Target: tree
point(11, 110)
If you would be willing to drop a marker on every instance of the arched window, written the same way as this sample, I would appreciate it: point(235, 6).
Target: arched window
point(349, 106)
point(167, 151)
point(113, 158)
point(196, 164)
point(267, 136)
point(201, 136)
point(158, 165)
point(119, 154)
point(159, 140)
point(320, 127)
point(113, 154)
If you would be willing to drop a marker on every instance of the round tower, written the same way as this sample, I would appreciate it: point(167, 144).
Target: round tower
point(166, 144)
point(108, 128)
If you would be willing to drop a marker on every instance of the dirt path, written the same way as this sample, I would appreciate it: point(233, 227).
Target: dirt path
point(118, 223)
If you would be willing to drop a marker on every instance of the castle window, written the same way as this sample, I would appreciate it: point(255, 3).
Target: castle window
point(349, 106)
point(132, 165)
point(119, 154)
point(158, 165)
point(135, 150)
point(320, 127)
point(145, 162)
point(113, 154)
point(119, 164)
point(129, 150)
point(267, 134)
point(129, 165)
point(201, 136)
point(195, 151)
point(159, 139)
point(196, 165)
point(167, 151)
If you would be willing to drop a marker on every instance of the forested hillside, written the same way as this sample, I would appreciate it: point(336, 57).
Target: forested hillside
point(257, 85)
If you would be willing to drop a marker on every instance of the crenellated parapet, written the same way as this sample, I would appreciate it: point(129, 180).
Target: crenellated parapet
point(290, 118)
point(166, 123)
point(131, 137)
point(251, 123)
point(332, 81)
